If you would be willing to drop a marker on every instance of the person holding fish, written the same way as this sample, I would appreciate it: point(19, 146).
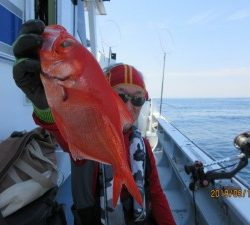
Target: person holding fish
point(113, 172)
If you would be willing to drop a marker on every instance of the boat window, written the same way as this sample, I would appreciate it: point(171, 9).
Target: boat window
point(46, 11)
point(10, 23)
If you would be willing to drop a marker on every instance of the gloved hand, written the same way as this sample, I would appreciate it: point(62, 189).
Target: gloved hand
point(26, 70)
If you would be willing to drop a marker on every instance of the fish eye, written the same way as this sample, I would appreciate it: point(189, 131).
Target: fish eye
point(66, 43)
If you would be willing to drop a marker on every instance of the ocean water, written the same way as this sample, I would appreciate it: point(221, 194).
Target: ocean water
point(212, 124)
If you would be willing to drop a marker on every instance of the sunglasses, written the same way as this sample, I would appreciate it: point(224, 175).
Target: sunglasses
point(136, 101)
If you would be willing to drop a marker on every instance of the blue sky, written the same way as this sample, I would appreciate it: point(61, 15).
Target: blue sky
point(207, 44)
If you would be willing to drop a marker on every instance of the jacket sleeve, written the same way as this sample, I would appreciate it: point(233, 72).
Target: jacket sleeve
point(51, 127)
point(159, 205)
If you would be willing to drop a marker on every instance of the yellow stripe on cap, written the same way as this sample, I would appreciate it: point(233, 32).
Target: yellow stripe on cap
point(130, 75)
point(125, 74)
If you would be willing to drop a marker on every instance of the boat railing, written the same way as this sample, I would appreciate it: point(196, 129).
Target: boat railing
point(224, 201)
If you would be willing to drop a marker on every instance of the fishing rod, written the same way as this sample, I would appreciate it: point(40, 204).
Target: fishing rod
point(162, 82)
point(199, 178)
point(166, 43)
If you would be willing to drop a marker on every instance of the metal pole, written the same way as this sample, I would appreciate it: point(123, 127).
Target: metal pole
point(91, 5)
point(109, 56)
point(104, 194)
point(162, 82)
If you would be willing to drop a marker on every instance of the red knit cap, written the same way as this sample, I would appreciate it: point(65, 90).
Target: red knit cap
point(125, 74)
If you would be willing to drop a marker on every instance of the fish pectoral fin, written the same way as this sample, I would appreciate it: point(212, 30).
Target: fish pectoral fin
point(64, 94)
point(125, 116)
point(64, 85)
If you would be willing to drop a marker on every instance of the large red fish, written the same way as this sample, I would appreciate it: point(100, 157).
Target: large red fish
point(89, 115)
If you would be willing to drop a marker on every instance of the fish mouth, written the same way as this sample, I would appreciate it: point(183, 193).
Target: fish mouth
point(46, 75)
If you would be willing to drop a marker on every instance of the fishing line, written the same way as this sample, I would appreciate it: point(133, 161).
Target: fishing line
point(223, 167)
point(164, 118)
point(113, 36)
point(177, 112)
point(102, 42)
point(203, 133)
point(204, 151)
point(166, 41)
point(228, 159)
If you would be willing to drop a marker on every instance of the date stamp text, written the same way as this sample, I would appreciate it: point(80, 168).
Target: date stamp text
point(229, 192)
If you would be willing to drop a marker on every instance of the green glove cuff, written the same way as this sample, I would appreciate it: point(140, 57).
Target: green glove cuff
point(19, 60)
point(44, 114)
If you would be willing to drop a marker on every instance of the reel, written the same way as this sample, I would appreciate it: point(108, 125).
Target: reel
point(201, 179)
point(242, 142)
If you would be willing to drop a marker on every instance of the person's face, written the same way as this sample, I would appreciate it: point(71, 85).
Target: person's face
point(130, 91)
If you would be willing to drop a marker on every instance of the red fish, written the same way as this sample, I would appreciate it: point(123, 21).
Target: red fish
point(88, 113)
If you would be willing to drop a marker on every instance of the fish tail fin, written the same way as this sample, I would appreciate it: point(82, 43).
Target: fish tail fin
point(116, 189)
point(125, 177)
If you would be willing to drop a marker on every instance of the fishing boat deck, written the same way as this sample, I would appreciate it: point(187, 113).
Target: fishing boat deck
point(64, 197)
point(172, 151)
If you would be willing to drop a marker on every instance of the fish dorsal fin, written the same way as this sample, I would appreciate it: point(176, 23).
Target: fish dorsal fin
point(125, 116)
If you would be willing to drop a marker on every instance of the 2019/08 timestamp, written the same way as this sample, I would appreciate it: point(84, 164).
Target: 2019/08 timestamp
point(229, 193)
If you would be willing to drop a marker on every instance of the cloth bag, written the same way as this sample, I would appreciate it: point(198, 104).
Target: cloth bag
point(27, 168)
